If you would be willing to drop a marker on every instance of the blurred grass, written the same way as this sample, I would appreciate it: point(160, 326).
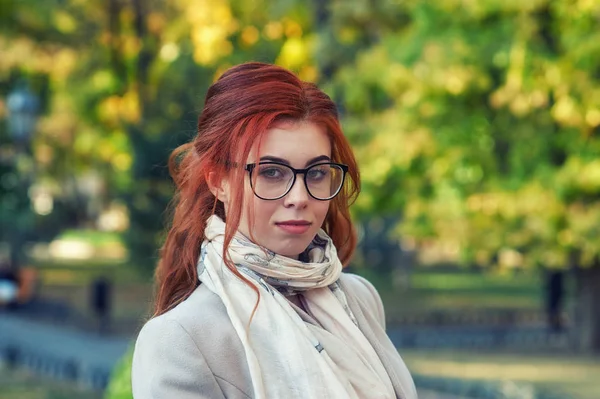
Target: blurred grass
point(94, 237)
point(20, 384)
point(427, 290)
point(574, 375)
point(82, 272)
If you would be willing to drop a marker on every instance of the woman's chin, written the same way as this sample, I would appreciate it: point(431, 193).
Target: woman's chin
point(289, 254)
point(292, 252)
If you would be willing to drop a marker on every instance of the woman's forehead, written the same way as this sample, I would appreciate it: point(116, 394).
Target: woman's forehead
point(295, 142)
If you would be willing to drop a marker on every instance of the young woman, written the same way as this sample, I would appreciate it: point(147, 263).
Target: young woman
point(252, 301)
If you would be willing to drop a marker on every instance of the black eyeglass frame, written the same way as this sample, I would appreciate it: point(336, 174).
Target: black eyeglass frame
point(251, 166)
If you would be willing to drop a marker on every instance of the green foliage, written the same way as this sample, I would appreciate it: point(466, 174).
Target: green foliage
point(479, 123)
point(118, 108)
point(120, 382)
point(476, 122)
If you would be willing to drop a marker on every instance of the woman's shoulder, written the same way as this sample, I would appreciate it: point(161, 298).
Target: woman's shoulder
point(191, 348)
point(198, 316)
point(365, 293)
point(360, 287)
point(196, 344)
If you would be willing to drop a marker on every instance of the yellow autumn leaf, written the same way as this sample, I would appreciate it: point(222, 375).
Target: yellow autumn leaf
point(294, 53)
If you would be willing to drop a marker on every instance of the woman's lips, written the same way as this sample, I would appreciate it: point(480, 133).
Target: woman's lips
point(293, 227)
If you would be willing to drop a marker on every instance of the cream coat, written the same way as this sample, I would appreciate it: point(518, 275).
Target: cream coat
point(193, 351)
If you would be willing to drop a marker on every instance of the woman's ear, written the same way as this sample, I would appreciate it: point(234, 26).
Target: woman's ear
point(219, 187)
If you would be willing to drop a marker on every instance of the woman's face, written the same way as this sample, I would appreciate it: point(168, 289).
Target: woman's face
point(287, 225)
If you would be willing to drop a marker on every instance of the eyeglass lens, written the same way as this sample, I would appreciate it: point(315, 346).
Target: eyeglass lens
point(274, 180)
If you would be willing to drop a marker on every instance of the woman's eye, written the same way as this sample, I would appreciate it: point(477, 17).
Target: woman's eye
point(317, 174)
point(271, 173)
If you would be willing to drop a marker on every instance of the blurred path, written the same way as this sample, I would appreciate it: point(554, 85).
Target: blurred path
point(426, 394)
point(478, 337)
point(59, 352)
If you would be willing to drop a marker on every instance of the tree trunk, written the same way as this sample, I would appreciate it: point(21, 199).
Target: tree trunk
point(587, 310)
point(114, 25)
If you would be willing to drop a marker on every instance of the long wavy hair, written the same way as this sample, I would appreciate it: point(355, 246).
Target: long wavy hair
point(239, 108)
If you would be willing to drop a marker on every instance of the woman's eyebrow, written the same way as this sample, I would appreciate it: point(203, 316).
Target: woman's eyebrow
point(271, 158)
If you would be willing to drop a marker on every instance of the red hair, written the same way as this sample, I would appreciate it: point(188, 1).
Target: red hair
point(239, 107)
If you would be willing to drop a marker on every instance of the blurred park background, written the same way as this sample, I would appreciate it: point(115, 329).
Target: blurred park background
point(476, 127)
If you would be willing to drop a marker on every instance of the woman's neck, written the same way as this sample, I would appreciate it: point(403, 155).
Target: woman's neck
point(295, 299)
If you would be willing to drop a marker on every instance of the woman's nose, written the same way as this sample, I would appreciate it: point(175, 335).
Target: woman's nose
point(298, 195)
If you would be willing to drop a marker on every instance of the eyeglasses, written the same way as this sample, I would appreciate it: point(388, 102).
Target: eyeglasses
point(273, 180)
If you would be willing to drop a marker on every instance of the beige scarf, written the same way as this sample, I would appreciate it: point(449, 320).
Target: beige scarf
point(287, 357)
